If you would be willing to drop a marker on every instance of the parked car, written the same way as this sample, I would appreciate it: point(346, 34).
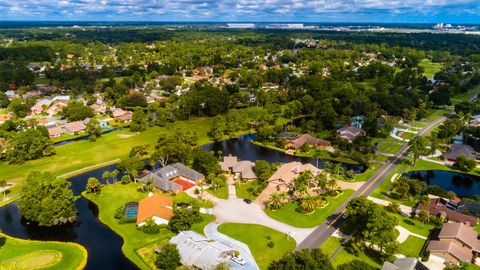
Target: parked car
point(247, 201)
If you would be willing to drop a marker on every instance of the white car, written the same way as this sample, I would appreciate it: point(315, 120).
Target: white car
point(238, 260)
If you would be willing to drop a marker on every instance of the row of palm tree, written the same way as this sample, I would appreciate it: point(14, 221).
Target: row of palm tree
point(110, 175)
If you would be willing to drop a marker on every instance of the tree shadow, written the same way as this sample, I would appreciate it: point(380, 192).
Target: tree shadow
point(3, 240)
point(409, 222)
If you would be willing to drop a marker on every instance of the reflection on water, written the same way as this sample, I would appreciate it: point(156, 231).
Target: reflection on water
point(461, 184)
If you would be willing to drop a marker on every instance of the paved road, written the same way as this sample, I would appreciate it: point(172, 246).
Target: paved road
point(211, 232)
point(326, 229)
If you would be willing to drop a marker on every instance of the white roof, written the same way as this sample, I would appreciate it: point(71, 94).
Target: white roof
point(199, 251)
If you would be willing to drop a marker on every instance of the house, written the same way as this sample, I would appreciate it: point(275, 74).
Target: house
point(282, 179)
point(74, 127)
point(299, 141)
point(40, 106)
point(11, 94)
point(156, 207)
point(447, 210)
point(174, 178)
point(54, 132)
point(456, 243)
point(4, 117)
point(461, 149)
point(98, 108)
point(244, 169)
point(200, 252)
point(122, 115)
point(64, 99)
point(56, 108)
point(404, 264)
point(350, 133)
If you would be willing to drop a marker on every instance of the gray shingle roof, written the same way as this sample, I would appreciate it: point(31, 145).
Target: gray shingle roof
point(163, 176)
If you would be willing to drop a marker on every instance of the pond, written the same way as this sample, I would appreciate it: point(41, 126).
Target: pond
point(460, 183)
point(103, 245)
point(245, 150)
point(84, 138)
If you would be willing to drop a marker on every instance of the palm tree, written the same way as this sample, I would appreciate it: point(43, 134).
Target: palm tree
point(423, 216)
point(106, 175)
point(277, 200)
point(308, 204)
point(317, 153)
point(113, 175)
point(424, 200)
point(3, 185)
point(322, 181)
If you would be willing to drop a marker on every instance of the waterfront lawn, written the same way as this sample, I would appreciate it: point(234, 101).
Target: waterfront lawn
point(147, 253)
point(427, 165)
point(116, 195)
point(256, 237)
point(412, 246)
point(82, 154)
point(27, 254)
point(243, 189)
point(362, 177)
point(288, 214)
point(331, 245)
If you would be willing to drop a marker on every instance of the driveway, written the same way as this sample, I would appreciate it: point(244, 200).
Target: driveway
point(211, 232)
point(237, 211)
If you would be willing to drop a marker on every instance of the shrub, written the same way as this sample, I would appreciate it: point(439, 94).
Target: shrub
point(125, 219)
point(271, 244)
point(150, 227)
point(119, 213)
point(425, 256)
point(438, 191)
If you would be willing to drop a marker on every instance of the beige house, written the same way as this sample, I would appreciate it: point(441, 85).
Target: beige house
point(456, 243)
point(282, 179)
point(244, 169)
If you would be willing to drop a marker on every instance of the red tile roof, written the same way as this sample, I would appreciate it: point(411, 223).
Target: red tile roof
point(436, 207)
point(155, 205)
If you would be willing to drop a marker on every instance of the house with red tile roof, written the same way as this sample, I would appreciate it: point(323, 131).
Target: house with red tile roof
point(156, 207)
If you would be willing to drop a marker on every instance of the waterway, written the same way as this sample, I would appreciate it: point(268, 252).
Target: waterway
point(460, 183)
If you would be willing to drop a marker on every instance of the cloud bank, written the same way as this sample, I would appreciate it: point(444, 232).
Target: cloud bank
point(245, 10)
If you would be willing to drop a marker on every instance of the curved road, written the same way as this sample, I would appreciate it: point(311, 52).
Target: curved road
point(326, 229)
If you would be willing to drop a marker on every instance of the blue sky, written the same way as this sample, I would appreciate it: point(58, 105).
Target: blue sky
point(453, 11)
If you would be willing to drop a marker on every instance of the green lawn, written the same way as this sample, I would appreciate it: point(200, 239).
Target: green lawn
point(465, 96)
point(372, 169)
point(198, 227)
point(344, 257)
point(389, 147)
point(430, 68)
point(116, 195)
point(331, 245)
point(26, 254)
point(255, 236)
point(427, 165)
point(221, 193)
point(414, 225)
point(242, 189)
point(412, 246)
point(289, 215)
point(82, 154)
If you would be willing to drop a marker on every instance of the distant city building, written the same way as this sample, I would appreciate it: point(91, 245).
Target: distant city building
point(286, 26)
point(241, 25)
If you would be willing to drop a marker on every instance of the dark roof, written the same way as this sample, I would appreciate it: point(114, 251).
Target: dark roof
point(350, 133)
point(438, 206)
point(461, 149)
point(163, 176)
point(300, 140)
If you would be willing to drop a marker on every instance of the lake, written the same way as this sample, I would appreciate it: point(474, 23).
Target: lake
point(460, 183)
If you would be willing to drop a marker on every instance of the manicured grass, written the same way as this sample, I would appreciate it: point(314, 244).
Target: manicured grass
point(82, 154)
point(381, 158)
point(221, 193)
point(412, 246)
point(198, 227)
point(255, 236)
point(331, 245)
point(430, 68)
point(427, 165)
point(344, 257)
point(362, 177)
point(465, 96)
point(389, 147)
point(414, 225)
point(26, 254)
point(147, 253)
point(116, 195)
point(289, 215)
point(242, 190)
